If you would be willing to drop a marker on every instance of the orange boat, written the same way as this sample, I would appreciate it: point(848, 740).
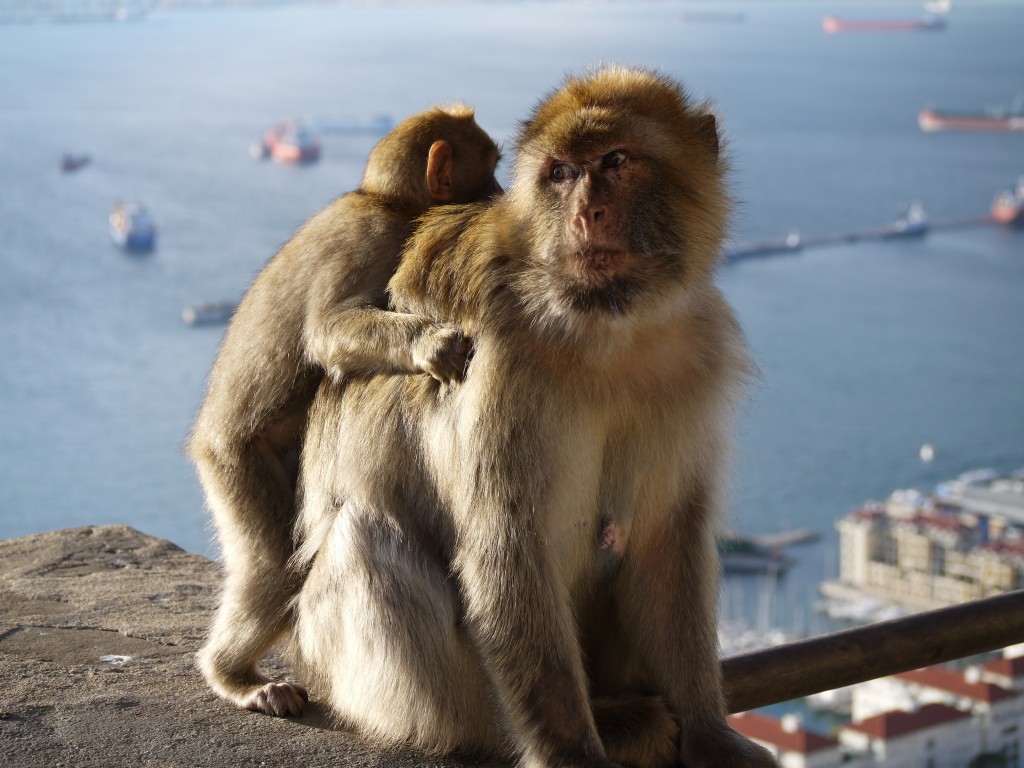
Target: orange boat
point(1008, 207)
point(290, 142)
point(930, 120)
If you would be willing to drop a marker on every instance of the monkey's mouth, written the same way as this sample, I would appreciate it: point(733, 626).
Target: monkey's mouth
point(599, 266)
point(600, 280)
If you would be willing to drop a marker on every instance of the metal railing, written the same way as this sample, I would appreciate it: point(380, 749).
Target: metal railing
point(857, 655)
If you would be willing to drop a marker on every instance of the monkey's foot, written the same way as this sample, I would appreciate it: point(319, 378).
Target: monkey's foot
point(279, 700)
point(725, 748)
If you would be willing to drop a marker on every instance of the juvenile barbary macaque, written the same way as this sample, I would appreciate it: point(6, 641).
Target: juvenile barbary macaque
point(524, 563)
point(316, 308)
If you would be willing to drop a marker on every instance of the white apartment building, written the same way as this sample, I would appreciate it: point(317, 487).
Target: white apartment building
point(934, 736)
point(922, 552)
point(793, 745)
point(1008, 671)
point(996, 713)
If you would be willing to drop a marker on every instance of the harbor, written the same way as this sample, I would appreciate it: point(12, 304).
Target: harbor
point(1006, 210)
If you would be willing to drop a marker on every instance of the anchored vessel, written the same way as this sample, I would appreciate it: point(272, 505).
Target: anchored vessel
point(131, 227)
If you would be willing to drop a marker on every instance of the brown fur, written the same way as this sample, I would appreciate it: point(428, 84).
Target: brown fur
point(524, 562)
point(316, 307)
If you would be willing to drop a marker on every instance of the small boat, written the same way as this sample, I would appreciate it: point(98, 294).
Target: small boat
point(208, 313)
point(131, 227)
point(740, 554)
point(833, 25)
point(70, 162)
point(913, 223)
point(997, 120)
point(289, 142)
point(1008, 207)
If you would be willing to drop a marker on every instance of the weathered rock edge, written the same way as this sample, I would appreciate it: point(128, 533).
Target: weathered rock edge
point(98, 631)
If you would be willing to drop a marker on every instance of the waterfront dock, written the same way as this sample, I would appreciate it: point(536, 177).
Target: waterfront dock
point(791, 246)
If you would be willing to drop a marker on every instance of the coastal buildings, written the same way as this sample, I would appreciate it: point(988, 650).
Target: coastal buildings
point(994, 715)
point(916, 551)
point(934, 736)
point(962, 542)
point(936, 717)
point(793, 745)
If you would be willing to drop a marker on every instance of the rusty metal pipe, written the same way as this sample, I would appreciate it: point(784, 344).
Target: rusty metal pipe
point(856, 655)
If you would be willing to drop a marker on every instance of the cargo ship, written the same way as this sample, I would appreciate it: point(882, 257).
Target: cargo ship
point(289, 142)
point(1008, 207)
point(833, 25)
point(131, 227)
point(998, 121)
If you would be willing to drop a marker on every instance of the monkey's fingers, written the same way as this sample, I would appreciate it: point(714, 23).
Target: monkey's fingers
point(280, 700)
point(450, 362)
point(459, 359)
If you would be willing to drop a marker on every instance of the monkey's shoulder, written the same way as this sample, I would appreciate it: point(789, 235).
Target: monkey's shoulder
point(452, 263)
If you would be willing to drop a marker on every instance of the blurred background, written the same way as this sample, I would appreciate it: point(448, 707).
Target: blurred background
point(868, 140)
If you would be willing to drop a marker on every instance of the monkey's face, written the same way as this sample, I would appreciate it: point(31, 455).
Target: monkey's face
point(600, 241)
point(619, 187)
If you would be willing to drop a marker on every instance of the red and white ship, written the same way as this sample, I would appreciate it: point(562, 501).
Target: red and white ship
point(290, 142)
point(941, 120)
point(833, 25)
point(1008, 207)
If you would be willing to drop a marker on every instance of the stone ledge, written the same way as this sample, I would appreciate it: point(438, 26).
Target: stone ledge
point(98, 629)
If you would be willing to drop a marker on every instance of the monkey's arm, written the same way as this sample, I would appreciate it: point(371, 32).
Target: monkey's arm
point(347, 329)
point(517, 607)
point(357, 337)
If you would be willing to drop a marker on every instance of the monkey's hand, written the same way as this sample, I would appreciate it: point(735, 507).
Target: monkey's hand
point(279, 700)
point(443, 352)
point(722, 747)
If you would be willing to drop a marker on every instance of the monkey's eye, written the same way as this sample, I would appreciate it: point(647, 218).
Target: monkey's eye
point(613, 159)
point(563, 172)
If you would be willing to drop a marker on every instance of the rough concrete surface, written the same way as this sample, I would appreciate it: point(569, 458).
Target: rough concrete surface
point(98, 631)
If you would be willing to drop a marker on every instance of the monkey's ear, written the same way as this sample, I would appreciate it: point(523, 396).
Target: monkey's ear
point(707, 129)
point(440, 170)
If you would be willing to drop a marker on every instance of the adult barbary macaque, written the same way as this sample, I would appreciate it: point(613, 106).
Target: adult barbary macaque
point(523, 563)
point(316, 308)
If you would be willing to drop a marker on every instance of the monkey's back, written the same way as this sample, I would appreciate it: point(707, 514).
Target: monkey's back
point(346, 251)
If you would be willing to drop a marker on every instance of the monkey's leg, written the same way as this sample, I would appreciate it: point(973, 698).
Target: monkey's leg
point(377, 633)
point(637, 731)
point(253, 501)
point(665, 595)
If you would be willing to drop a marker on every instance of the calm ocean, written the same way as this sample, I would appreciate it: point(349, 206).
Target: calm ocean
point(866, 351)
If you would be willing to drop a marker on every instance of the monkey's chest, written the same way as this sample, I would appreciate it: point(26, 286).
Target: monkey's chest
point(609, 483)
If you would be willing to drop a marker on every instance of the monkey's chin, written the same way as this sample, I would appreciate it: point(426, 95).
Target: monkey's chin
point(598, 281)
point(615, 297)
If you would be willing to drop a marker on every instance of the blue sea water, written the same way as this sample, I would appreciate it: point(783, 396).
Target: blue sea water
point(866, 350)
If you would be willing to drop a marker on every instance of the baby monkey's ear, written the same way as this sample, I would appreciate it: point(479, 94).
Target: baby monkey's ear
point(440, 172)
